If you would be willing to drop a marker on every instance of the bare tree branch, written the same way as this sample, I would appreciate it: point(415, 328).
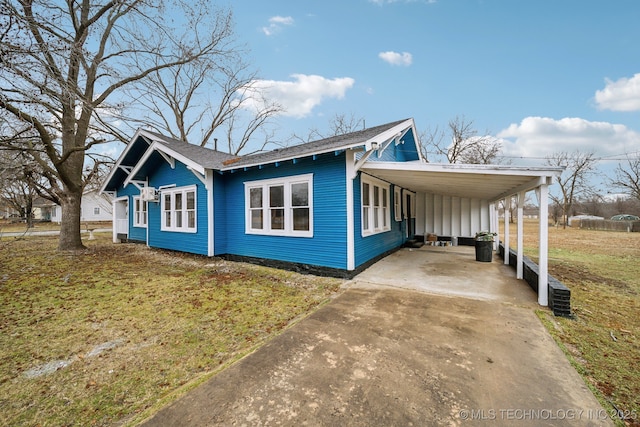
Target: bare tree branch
point(628, 176)
point(62, 61)
point(574, 181)
point(464, 145)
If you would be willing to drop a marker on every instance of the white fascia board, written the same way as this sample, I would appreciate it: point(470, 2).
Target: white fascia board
point(164, 151)
point(182, 159)
point(390, 134)
point(366, 145)
point(531, 185)
point(418, 166)
point(115, 167)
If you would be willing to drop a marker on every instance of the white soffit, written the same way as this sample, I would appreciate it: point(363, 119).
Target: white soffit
point(486, 182)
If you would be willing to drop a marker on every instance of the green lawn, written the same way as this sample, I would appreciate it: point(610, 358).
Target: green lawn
point(108, 335)
point(603, 339)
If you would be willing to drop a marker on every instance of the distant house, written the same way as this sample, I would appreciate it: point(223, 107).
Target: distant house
point(95, 207)
point(43, 209)
point(332, 206)
point(577, 218)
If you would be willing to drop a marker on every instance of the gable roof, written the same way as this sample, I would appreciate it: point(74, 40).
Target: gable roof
point(145, 142)
point(205, 157)
point(326, 145)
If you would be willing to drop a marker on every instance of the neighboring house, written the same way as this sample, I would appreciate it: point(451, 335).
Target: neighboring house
point(43, 209)
point(95, 207)
point(332, 206)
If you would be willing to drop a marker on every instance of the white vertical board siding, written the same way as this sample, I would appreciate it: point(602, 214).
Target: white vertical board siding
point(452, 216)
point(447, 215)
point(465, 223)
point(420, 214)
point(436, 226)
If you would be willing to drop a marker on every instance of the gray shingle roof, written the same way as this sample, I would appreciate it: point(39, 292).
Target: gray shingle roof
point(211, 159)
point(326, 145)
point(208, 158)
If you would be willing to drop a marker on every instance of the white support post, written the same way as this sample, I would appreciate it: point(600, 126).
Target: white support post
point(520, 237)
point(507, 212)
point(496, 226)
point(543, 257)
point(114, 221)
point(351, 174)
point(211, 250)
point(492, 224)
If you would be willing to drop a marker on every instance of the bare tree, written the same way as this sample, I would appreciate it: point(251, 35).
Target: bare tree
point(15, 189)
point(463, 145)
point(339, 124)
point(65, 62)
point(342, 124)
point(574, 181)
point(628, 177)
point(212, 96)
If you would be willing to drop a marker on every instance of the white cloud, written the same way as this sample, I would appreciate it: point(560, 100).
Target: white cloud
point(539, 137)
point(300, 96)
point(395, 58)
point(621, 95)
point(276, 23)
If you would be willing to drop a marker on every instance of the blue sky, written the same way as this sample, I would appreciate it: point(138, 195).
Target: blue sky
point(543, 75)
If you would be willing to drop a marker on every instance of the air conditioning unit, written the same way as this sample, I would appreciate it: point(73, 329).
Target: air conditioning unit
point(149, 194)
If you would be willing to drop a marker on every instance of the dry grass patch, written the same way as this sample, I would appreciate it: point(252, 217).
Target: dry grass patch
point(98, 337)
point(602, 270)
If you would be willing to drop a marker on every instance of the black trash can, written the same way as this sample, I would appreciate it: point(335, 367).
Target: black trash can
point(484, 250)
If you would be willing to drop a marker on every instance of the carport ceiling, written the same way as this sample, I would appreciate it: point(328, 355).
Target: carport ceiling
point(487, 182)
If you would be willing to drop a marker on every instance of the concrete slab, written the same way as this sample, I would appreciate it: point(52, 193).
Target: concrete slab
point(447, 270)
point(379, 355)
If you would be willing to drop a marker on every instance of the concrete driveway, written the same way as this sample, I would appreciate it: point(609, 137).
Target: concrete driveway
point(405, 344)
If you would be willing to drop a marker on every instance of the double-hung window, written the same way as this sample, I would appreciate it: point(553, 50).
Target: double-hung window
point(375, 206)
point(281, 206)
point(179, 211)
point(397, 204)
point(139, 212)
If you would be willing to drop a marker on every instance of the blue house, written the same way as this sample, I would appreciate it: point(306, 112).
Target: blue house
point(332, 206)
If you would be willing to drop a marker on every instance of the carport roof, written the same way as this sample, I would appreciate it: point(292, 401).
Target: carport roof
point(486, 182)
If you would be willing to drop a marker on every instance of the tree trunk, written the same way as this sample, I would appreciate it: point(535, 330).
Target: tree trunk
point(29, 212)
point(70, 223)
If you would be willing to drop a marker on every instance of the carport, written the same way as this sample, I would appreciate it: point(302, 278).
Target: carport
point(457, 200)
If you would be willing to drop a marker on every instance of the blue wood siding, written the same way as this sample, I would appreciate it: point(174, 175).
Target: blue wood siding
point(326, 248)
point(369, 247)
point(220, 212)
point(186, 242)
point(407, 151)
point(404, 152)
point(388, 155)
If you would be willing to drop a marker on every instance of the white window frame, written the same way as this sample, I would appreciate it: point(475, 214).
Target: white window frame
point(288, 226)
point(140, 217)
point(397, 204)
point(183, 212)
point(375, 216)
